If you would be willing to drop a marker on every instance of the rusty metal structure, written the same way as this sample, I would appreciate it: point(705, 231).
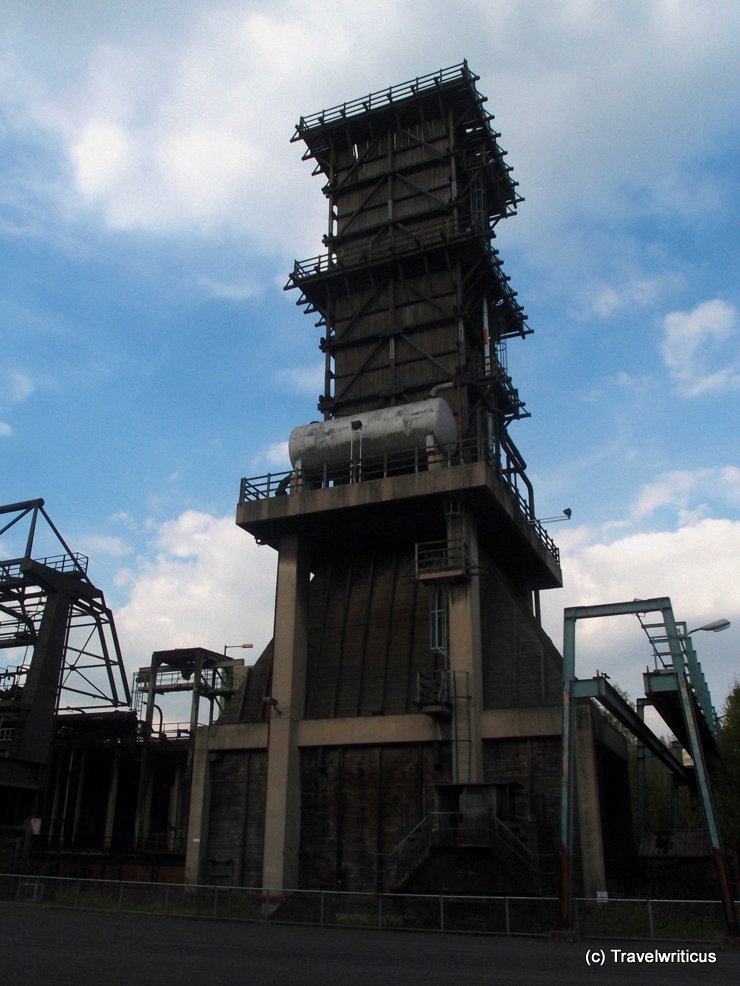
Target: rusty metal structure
point(401, 729)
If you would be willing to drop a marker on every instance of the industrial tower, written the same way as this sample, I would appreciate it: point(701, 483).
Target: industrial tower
point(405, 716)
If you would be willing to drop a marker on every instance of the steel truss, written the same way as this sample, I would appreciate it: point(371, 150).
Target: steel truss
point(57, 625)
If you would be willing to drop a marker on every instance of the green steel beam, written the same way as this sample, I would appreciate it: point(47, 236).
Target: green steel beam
point(600, 689)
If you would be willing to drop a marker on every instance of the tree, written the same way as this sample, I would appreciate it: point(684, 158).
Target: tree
point(726, 774)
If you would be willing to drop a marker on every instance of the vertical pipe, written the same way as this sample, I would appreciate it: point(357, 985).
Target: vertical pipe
point(455, 722)
point(641, 786)
point(195, 701)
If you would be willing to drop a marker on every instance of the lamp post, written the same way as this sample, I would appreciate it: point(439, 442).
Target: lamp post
point(233, 646)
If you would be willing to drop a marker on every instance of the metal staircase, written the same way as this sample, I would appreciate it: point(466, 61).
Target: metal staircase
point(465, 832)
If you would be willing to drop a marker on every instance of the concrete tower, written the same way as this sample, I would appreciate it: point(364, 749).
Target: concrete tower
point(405, 717)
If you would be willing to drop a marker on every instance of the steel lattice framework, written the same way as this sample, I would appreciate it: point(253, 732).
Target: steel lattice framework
point(59, 633)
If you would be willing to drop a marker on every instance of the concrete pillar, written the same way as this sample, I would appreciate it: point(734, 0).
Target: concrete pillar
point(466, 662)
point(174, 809)
point(288, 690)
point(196, 842)
point(589, 809)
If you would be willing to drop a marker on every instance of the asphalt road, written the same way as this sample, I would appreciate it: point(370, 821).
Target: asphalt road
point(54, 947)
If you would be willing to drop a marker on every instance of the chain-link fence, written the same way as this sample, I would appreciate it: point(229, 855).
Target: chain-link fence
point(660, 920)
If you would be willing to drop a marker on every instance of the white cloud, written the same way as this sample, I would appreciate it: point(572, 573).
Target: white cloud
point(15, 387)
point(303, 379)
point(100, 156)
point(105, 545)
point(672, 489)
point(605, 300)
point(599, 96)
point(730, 483)
point(207, 584)
point(699, 346)
point(641, 384)
point(691, 558)
point(176, 122)
point(229, 291)
point(277, 455)
point(695, 565)
point(189, 129)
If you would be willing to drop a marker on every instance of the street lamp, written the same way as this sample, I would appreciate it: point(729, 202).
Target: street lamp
point(232, 646)
point(565, 515)
point(714, 627)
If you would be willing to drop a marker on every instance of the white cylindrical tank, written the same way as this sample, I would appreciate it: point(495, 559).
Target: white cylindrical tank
point(389, 429)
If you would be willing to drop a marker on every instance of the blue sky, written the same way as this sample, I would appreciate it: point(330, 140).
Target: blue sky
point(151, 206)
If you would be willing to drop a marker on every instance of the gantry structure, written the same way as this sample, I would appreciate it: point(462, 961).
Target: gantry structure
point(62, 642)
point(408, 677)
point(676, 688)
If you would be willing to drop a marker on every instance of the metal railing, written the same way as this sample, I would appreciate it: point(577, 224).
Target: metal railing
point(384, 97)
point(657, 920)
point(433, 690)
point(404, 462)
point(362, 253)
point(472, 828)
point(73, 562)
point(442, 557)
point(690, 665)
point(173, 842)
point(168, 680)
point(421, 238)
